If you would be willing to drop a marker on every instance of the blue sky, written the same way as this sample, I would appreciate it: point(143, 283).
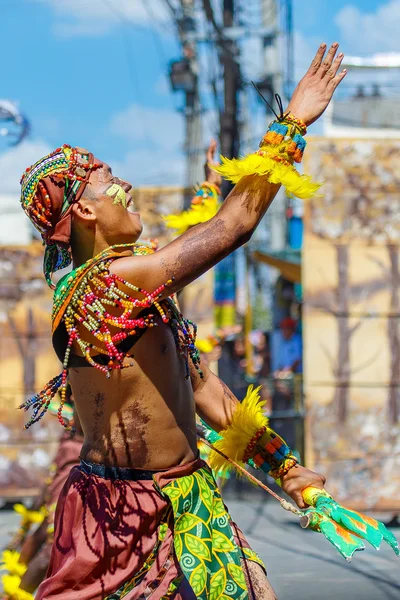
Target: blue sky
point(84, 77)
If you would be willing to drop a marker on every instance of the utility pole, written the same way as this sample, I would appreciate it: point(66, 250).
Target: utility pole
point(225, 272)
point(197, 298)
point(229, 130)
point(184, 75)
point(193, 134)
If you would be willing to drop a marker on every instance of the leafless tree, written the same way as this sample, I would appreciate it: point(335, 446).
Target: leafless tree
point(362, 202)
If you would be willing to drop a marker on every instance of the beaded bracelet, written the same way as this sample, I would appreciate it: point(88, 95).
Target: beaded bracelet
point(288, 463)
point(297, 123)
point(282, 145)
point(272, 455)
point(290, 146)
point(251, 445)
point(249, 439)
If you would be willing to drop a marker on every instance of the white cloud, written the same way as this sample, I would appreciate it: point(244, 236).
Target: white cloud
point(157, 126)
point(370, 32)
point(157, 136)
point(96, 17)
point(14, 162)
point(146, 167)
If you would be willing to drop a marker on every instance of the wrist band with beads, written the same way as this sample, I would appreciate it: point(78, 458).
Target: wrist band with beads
point(290, 146)
point(204, 206)
point(282, 145)
point(287, 464)
point(248, 439)
point(272, 455)
point(298, 124)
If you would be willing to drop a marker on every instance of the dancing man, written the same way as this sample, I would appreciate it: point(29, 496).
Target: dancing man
point(142, 516)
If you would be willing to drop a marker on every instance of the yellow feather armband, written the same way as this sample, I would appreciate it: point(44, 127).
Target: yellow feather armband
point(266, 162)
point(249, 439)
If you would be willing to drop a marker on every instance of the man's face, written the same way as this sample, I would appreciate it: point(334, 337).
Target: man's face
point(287, 333)
point(114, 207)
point(239, 347)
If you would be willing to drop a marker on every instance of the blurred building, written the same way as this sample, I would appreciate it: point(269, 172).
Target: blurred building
point(351, 285)
point(370, 108)
point(14, 225)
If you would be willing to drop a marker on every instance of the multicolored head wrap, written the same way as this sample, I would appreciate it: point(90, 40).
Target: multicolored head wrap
point(49, 189)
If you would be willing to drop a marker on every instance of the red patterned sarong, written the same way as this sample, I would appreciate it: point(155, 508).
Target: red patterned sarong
point(113, 540)
point(105, 531)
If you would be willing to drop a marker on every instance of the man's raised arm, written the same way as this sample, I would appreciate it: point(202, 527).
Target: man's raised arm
point(203, 246)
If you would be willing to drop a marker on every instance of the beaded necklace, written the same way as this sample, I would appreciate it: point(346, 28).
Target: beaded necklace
point(84, 298)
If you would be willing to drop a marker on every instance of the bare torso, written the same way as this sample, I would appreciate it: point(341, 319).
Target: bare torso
point(143, 416)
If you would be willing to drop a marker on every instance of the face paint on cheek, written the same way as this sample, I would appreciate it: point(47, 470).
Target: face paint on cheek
point(118, 193)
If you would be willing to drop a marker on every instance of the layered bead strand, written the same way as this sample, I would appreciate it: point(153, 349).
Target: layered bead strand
point(40, 401)
point(98, 292)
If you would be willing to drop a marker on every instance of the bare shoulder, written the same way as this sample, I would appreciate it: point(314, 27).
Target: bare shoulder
point(146, 272)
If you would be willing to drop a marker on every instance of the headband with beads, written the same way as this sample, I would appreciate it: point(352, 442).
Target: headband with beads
point(74, 166)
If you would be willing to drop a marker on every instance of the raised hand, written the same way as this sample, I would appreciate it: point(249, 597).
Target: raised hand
point(314, 92)
point(212, 176)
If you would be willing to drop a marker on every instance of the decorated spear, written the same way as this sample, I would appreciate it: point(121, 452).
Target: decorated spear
point(344, 528)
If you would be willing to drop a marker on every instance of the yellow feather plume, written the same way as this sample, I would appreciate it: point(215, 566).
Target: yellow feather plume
point(29, 516)
point(297, 185)
point(197, 213)
point(10, 563)
point(205, 346)
point(12, 590)
point(247, 419)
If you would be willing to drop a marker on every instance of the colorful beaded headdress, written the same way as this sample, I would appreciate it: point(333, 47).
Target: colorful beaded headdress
point(48, 190)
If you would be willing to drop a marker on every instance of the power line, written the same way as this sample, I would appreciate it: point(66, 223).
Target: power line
point(132, 72)
point(156, 37)
point(222, 41)
point(174, 11)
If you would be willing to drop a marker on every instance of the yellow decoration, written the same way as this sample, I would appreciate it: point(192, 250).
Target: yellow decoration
point(197, 213)
point(205, 346)
point(12, 590)
point(264, 164)
point(118, 193)
point(247, 419)
point(225, 315)
point(311, 495)
point(10, 563)
point(29, 516)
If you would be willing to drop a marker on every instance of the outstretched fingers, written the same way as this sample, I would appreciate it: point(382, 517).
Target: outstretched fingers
point(336, 80)
point(332, 72)
point(328, 60)
point(317, 60)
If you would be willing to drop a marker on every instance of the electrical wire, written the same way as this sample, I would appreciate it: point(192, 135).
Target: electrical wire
point(132, 72)
point(223, 42)
point(213, 79)
point(156, 37)
point(173, 10)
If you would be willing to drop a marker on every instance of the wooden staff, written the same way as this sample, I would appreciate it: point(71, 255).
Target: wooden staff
point(284, 503)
